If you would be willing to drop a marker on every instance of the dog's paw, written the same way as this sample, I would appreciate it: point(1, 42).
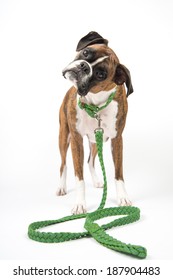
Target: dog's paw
point(79, 209)
point(61, 191)
point(122, 196)
point(98, 184)
point(124, 201)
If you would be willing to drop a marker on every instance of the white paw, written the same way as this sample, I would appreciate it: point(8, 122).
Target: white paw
point(122, 196)
point(96, 181)
point(98, 184)
point(80, 205)
point(79, 209)
point(61, 191)
point(124, 201)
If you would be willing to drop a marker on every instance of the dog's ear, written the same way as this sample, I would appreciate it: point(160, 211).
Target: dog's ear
point(122, 75)
point(90, 39)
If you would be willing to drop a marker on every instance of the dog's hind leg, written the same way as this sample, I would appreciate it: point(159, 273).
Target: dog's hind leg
point(91, 162)
point(117, 151)
point(64, 140)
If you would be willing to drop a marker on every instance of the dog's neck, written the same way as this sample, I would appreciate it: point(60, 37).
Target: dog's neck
point(97, 98)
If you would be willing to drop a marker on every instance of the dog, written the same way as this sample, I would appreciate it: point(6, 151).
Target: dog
point(95, 73)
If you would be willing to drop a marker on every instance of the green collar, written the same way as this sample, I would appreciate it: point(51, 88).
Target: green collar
point(92, 110)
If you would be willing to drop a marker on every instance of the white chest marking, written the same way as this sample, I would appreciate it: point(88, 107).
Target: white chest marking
point(86, 125)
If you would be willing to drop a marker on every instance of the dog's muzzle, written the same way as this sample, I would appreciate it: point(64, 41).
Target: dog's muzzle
point(79, 72)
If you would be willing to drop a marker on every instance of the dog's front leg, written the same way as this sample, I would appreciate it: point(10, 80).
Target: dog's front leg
point(78, 158)
point(117, 154)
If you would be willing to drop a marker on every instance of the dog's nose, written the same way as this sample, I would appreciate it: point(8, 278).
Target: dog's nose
point(84, 67)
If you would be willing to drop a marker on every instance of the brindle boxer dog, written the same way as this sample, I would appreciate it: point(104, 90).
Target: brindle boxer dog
point(95, 72)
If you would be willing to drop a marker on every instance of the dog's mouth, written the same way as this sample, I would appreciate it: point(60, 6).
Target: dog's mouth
point(83, 89)
point(71, 74)
point(80, 81)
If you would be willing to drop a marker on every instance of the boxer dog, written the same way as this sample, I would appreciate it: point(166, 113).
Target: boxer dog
point(95, 73)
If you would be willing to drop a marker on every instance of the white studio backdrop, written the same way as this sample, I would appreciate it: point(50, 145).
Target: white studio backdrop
point(38, 39)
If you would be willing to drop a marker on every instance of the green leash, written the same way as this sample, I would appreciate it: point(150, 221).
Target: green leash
point(129, 214)
point(93, 110)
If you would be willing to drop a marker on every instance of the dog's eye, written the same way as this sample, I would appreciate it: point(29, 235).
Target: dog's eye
point(86, 53)
point(100, 75)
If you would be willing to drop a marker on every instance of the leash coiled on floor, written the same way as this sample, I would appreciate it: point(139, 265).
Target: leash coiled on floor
point(129, 215)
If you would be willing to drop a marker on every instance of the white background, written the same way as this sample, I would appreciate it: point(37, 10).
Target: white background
point(37, 40)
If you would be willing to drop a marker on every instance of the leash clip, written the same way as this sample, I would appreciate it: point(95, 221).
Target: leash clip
point(99, 128)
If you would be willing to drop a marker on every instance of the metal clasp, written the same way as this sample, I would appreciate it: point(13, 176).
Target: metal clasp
point(99, 128)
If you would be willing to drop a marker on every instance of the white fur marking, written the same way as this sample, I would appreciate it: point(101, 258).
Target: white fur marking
point(100, 59)
point(62, 190)
point(122, 196)
point(80, 205)
point(86, 125)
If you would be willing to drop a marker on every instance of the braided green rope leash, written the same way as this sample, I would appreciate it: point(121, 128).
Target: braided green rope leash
point(93, 110)
point(129, 214)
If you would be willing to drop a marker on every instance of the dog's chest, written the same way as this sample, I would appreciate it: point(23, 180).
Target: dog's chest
point(86, 125)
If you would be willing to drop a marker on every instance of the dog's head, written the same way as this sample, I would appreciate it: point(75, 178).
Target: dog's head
point(96, 67)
